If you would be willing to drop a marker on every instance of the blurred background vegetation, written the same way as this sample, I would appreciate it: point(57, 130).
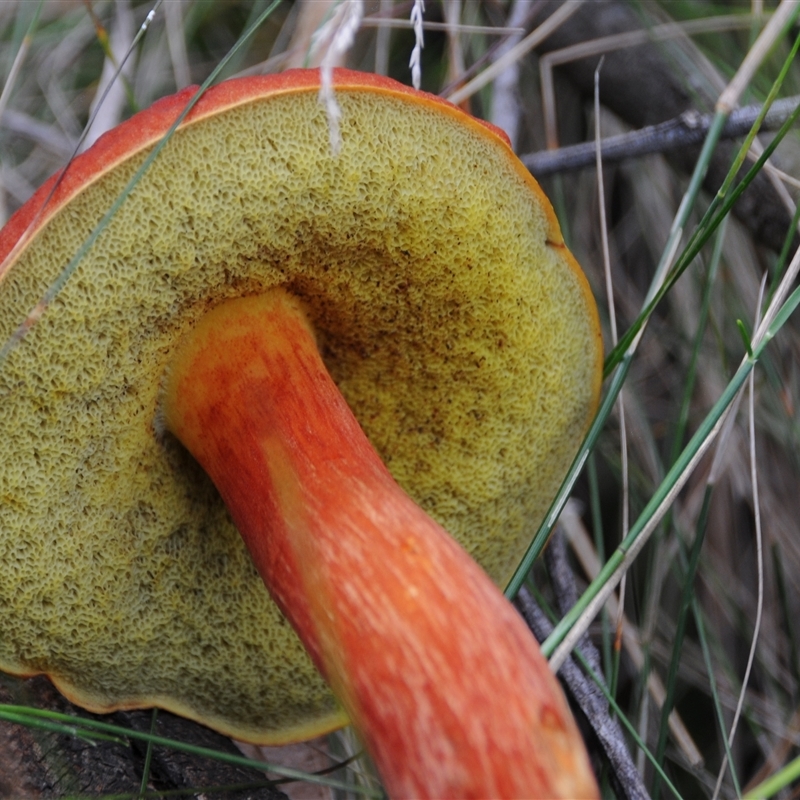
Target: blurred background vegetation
point(58, 57)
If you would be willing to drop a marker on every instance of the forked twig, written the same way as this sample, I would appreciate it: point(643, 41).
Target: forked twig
point(690, 128)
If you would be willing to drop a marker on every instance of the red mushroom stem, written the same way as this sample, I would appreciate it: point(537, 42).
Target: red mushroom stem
point(434, 667)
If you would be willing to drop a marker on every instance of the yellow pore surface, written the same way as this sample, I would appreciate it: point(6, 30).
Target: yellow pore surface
point(467, 346)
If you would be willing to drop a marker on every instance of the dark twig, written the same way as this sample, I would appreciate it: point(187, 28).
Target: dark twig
point(585, 692)
point(562, 579)
point(689, 128)
point(593, 704)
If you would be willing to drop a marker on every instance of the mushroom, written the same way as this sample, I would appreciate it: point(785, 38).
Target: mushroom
point(249, 273)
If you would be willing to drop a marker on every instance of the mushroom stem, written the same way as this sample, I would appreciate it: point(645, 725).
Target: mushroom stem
point(434, 667)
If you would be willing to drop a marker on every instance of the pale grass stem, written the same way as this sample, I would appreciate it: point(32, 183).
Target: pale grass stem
point(333, 40)
point(119, 65)
point(176, 43)
point(506, 108)
point(759, 553)
point(612, 316)
point(784, 14)
point(536, 37)
point(382, 22)
point(455, 52)
point(382, 38)
point(415, 62)
point(19, 60)
point(40, 307)
point(8, 87)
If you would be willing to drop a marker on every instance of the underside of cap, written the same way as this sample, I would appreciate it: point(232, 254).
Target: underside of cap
point(457, 326)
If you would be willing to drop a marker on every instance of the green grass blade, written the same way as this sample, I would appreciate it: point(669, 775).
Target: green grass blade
point(782, 779)
point(713, 217)
point(90, 728)
point(606, 580)
point(45, 724)
point(712, 681)
point(52, 291)
point(680, 630)
point(623, 363)
point(788, 620)
point(148, 758)
point(691, 370)
point(543, 534)
point(748, 141)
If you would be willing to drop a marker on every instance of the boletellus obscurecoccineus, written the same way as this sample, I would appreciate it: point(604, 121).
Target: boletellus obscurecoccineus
point(422, 272)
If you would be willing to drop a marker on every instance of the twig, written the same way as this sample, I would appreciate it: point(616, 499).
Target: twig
point(618, 41)
point(592, 703)
point(689, 128)
point(584, 551)
point(565, 589)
